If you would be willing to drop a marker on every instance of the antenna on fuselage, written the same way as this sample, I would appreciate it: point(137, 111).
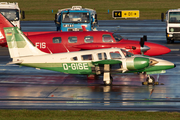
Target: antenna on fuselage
point(49, 50)
point(66, 48)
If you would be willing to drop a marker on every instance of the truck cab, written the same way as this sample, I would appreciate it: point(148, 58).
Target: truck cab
point(173, 25)
point(11, 11)
point(72, 19)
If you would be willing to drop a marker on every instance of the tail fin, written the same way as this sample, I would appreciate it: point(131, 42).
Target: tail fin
point(19, 45)
point(4, 23)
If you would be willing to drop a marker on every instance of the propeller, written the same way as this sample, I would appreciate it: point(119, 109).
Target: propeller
point(144, 48)
point(142, 40)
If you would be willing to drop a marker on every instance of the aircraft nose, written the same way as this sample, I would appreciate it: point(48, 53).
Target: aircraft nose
point(156, 49)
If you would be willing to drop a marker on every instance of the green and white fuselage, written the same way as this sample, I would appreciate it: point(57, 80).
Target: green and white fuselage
point(101, 61)
point(64, 62)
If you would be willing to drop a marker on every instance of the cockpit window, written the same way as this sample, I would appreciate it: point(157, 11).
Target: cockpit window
point(115, 55)
point(117, 37)
point(107, 38)
point(127, 54)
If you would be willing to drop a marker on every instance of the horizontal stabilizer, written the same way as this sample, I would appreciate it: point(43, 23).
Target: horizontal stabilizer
point(14, 62)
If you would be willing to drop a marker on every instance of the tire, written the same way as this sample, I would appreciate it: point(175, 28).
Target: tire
point(111, 80)
point(150, 80)
point(168, 41)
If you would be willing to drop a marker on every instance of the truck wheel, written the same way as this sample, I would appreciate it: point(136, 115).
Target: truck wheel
point(172, 41)
point(168, 41)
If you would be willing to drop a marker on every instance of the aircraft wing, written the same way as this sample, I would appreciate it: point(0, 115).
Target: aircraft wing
point(110, 62)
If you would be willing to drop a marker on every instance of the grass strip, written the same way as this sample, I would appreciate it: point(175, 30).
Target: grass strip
point(85, 115)
point(42, 9)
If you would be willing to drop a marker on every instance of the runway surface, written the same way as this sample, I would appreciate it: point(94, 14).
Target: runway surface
point(28, 88)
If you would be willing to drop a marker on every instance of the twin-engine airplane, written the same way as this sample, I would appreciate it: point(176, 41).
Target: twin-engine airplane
point(57, 42)
point(100, 61)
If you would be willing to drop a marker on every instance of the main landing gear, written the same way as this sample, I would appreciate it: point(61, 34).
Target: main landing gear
point(150, 81)
point(108, 81)
point(107, 78)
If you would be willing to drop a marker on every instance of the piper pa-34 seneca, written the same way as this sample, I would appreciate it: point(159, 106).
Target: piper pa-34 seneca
point(100, 61)
point(57, 42)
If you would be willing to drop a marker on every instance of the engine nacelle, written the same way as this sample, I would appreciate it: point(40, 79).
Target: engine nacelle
point(137, 63)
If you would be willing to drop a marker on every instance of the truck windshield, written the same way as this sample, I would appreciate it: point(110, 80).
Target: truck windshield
point(10, 14)
point(75, 17)
point(117, 37)
point(174, 17)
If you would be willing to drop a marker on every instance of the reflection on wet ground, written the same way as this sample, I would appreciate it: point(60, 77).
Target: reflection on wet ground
point(41, 89)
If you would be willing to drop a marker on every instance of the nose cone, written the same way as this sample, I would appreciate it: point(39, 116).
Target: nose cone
point(145, 48)
point(163, 65)
point(156, 49)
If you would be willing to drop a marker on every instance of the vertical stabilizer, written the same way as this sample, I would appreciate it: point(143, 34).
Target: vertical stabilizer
point(19, 45)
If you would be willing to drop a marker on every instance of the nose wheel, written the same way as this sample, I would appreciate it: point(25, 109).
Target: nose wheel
point(150, 81)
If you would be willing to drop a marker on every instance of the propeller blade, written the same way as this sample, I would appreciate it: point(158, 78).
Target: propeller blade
point(142, 42)
point(145, 37)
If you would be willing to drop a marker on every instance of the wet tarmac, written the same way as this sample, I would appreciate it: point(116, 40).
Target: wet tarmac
point(28, 88)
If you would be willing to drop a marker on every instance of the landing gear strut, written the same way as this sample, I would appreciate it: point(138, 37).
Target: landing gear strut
point(109, 81)
point(150, 81)
point(107, 78)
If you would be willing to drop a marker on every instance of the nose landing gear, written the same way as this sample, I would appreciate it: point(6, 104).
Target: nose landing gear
point(150, 81)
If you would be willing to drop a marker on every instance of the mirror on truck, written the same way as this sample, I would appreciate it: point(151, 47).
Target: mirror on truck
point(162, 17)
point(23, 14)
point(95, 17)
point(55, 20)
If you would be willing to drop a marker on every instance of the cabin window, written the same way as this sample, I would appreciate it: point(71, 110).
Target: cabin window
point(57, 40)
point(88, 39)
point(107, 38)
point(72, 39)
point(117, 37)
point(87, 57)
point(74, 58)
point(102, 56)
point(115, 55)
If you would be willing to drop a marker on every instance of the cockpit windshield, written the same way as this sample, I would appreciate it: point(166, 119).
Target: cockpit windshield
point(75, 17)
point(126, 53)
point(117, 37)
point(10, 14)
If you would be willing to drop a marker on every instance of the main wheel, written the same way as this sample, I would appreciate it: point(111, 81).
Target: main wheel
point(109, 82)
